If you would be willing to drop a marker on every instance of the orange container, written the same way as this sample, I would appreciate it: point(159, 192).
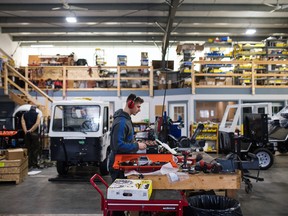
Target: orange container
point(142, 162)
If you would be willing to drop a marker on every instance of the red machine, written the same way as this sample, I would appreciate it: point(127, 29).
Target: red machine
point(142, 162)
point(6, 138)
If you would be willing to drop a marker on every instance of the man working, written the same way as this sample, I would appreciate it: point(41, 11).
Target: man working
point(122, 133)
point(30, 122)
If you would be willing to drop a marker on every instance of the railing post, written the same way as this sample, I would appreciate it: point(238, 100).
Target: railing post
point(193, 84)
point(5, 79)
point(64, 86)
point(253, 78)
point(27, 78)
point(151, 81)
point(118, 81)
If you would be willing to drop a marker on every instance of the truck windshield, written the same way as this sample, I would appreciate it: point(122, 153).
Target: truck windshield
point(82, 118)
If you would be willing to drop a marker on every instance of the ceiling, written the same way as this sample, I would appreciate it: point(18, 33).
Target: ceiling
point(148, 21)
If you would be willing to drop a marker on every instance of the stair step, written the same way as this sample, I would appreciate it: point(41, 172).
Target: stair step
point(21, 95)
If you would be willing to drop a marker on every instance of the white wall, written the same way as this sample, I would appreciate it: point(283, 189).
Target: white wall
point(10, 48)
point(133, 52)
point(158, 100)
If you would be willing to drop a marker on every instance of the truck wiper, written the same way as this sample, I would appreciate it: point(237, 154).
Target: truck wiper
point(83, 132)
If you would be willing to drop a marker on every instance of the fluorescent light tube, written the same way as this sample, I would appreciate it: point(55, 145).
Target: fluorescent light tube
point(250, 31)
point(71, 19)
point(41, 45)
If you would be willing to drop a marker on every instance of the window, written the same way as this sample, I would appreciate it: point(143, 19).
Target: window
point(82, 118)
point(211, 110)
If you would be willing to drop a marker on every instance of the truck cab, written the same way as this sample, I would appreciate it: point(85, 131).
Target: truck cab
point(79, 134)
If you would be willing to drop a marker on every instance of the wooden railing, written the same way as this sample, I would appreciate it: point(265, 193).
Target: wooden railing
point(93, 78)
point(17, 93)
point(252, 74)
point(245, 74)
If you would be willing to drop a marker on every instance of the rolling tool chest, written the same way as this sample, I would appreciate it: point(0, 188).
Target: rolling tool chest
point(160, 201)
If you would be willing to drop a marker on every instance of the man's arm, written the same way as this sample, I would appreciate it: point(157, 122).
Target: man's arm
point(23, 124)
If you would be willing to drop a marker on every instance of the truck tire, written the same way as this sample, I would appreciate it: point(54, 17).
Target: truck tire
point(62, 168)
point(266, 159)
point(103, 167)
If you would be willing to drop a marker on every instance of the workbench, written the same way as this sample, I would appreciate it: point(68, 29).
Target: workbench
point(230, 182)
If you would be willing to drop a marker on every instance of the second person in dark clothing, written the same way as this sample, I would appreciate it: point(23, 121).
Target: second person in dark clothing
point(30, 122)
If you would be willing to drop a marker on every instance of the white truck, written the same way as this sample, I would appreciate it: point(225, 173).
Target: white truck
point(79, 134)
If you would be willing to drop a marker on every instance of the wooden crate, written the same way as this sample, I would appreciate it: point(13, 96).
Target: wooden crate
point(13, 170)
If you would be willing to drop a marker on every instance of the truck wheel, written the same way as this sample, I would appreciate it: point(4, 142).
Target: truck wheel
point(282, 147)
point(62, 167)
point(265, 157)
point(103, 167)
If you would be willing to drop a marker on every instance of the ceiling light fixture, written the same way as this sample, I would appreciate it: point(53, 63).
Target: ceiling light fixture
point(250, 31)
point(41, 45)
point(71, 19)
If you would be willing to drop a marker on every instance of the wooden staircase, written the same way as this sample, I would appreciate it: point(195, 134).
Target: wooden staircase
point(21, 95)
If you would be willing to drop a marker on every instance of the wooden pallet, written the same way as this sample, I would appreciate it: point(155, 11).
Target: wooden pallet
point(13, 170)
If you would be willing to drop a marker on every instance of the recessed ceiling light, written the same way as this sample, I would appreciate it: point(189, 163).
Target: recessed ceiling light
point(71, 19)
point(250, 31)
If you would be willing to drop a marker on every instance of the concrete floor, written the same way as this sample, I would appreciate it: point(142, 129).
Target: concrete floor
point(39, 196)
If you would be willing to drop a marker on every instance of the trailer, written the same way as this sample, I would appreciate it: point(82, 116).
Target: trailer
point(254, 127)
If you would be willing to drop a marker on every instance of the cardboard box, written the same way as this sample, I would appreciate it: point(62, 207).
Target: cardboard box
point(202, 82)
point(16, 154)
point(220, 82)
point(13, 170)
point(70, 84)
point(130, 189)
point(169, 85)
point(188, 46)
point(159, 110)
point(229, 81)
point(210, 81)
point(161, 86)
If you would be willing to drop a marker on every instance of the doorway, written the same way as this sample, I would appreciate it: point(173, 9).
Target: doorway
point(176, 110)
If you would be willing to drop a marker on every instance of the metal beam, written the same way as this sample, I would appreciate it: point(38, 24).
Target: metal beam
point(144, 30)
point(258, 20)
point(72, 39)
point(94, 6)
point(169, 26)
point(141, 6)
point(80, 29)
point(186, 19)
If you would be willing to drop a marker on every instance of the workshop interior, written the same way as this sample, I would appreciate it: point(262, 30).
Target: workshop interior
point(212, 76)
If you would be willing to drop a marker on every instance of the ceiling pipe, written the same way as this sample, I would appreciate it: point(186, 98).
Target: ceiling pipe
point(173, 5)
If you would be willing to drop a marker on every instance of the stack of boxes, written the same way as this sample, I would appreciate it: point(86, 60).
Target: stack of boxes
point(144, 62)
point(14, 165)
point(121, 60)
point(144, 59)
